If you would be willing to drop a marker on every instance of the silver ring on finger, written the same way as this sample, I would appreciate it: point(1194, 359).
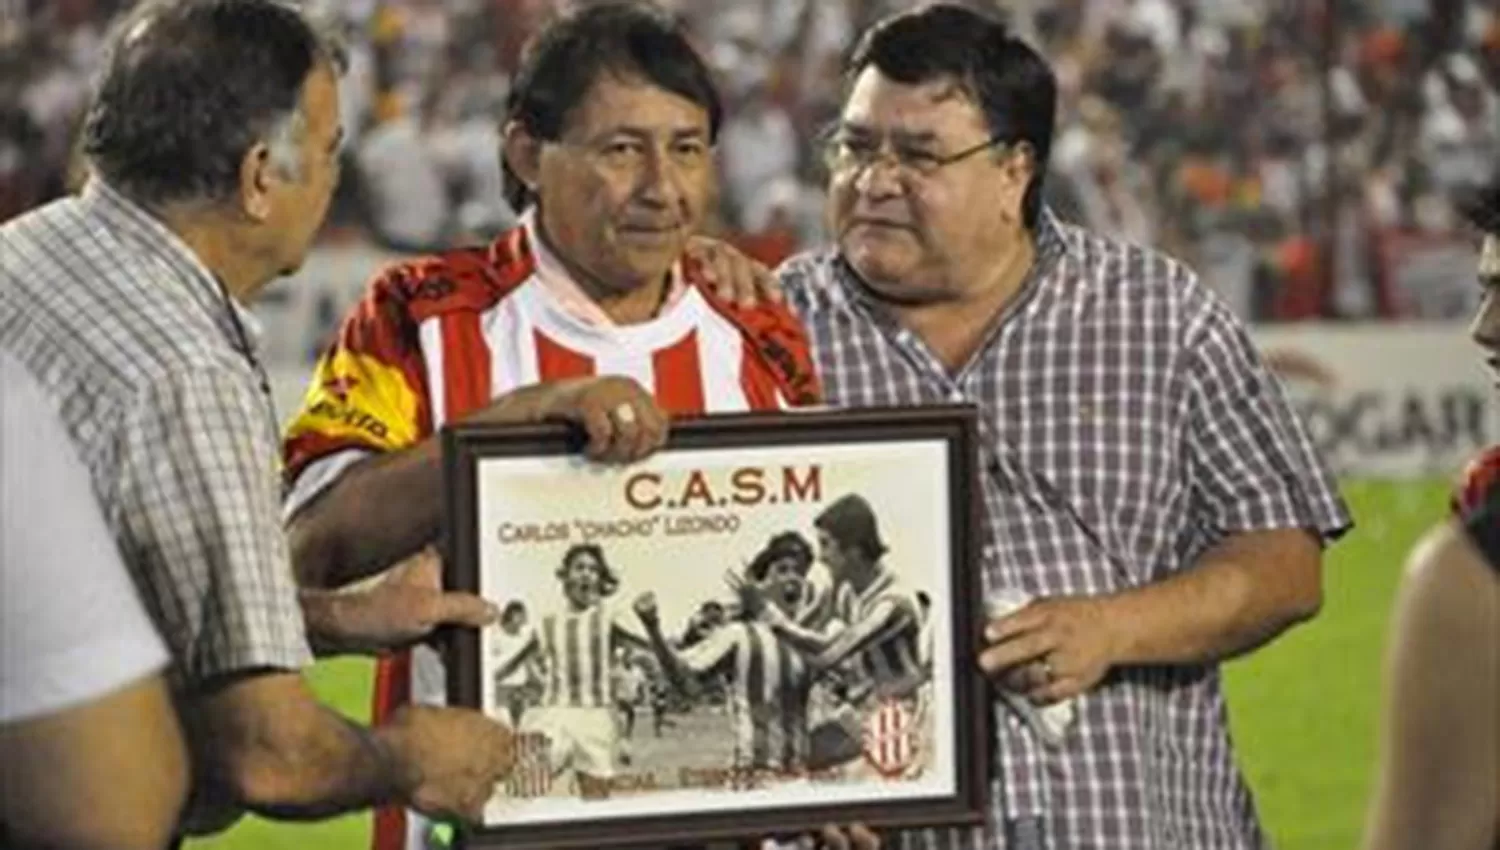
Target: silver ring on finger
point(1047, 674)
point(623, 414)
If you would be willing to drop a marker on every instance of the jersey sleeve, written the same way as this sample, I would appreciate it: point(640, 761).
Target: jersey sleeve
point(708, 653)
point(778, 353)
point(1476, 480)
point(368, 391)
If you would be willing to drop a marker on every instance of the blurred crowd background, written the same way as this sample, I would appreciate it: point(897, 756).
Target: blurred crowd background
point(1302, 154)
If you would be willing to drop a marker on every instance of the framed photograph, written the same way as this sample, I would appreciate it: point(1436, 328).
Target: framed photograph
point(767, 626)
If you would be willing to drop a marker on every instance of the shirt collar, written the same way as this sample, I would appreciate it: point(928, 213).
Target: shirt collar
point(559, 283)
point(139, 226)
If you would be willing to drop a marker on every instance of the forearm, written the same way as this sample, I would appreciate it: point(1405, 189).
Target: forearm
point(131, 786)
point(381, 510)
point(1238, 596)
point(389, 506)
point(671, 664)
point(328, 616)
point(264, 744)
point(885, 619)
point(802, 638)
point(349, 768)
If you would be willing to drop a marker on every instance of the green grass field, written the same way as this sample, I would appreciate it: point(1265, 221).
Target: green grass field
point(1304, 709)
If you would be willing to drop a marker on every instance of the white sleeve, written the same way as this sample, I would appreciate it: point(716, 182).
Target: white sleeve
point(72, 628)
point(317, 477)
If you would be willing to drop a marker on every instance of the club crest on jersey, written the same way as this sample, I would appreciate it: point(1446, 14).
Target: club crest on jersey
point(890, 738)
point(532, 775)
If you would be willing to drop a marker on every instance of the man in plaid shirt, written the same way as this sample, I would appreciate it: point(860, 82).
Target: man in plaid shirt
point(212, 141)
point(1144, 478)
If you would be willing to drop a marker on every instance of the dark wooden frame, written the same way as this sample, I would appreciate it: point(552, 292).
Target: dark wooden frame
point(464, 445)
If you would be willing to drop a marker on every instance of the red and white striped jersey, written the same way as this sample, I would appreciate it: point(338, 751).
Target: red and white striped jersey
point(439, 337)
point(768, 702)
point(892, 657)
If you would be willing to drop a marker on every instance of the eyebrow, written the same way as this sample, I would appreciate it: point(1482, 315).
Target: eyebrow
point(905, 137)
point(676, 134)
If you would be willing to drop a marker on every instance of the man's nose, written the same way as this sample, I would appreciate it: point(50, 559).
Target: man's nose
point(661, 184)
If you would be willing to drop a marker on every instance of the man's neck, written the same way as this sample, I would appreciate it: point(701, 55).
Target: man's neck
point(207, 236)
point(632, 307)
point(955, 328)
point(623, 305)
point(862, 576)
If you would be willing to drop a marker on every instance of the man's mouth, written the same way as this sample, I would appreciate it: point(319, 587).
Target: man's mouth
point(880, 223)
point(651, 231)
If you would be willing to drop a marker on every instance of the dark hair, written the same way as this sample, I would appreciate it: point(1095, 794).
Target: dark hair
point(187, 87)
point(563, 61)
point(788, 544)
point(851, 522)
point(1481, 206)
point(1009, 82)
point(608, 581)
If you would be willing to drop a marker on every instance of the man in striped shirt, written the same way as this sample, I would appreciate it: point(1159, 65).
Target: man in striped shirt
point(769, 679)
point(576, 647)
point(876, 616)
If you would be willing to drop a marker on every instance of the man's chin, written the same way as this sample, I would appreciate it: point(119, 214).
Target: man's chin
point(643, 266)
point(876, 263)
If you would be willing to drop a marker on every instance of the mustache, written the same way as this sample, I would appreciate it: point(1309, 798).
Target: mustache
point(645, 224)
point(858, 218)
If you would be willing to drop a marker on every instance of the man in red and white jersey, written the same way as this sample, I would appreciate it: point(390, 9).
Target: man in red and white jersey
point(586, 313)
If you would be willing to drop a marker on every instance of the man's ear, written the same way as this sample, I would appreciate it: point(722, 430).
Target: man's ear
point(1019, 166)
point(522, 152)
point(255, 182)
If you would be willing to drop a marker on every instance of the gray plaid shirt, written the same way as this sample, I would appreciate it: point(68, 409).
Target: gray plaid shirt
point(132, 341)
point(1127, 424)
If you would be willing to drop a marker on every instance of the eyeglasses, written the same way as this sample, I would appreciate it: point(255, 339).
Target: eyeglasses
point(844, 153)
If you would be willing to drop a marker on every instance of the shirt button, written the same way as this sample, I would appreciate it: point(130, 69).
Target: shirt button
point(956, 396)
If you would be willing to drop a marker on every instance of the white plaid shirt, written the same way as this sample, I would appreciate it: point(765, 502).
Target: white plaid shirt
point(131, 339)
point(1127, 425)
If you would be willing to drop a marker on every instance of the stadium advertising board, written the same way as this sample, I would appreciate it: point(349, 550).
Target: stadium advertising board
point(767, 626)
point(1387, 400)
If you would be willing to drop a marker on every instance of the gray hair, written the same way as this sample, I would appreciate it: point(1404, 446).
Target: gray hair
point(284, 140)
point(188, 87)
